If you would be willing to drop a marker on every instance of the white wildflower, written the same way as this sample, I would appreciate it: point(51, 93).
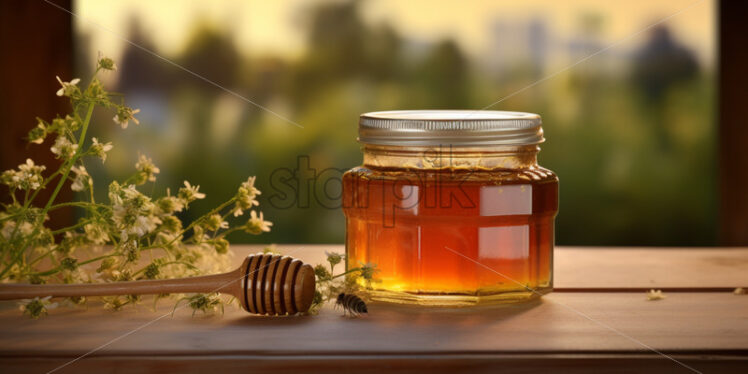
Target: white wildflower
point(26, 228)
point(100, 149)
point(169, 204)
point(133, 212)
point(68, 88)
point(11, 178)
point(188, 193)
point(9, 227)
point(115, 190)
point(106, 63)
point(257, 224)
point(144, 225)
point(82, 180)
point(65, 125)
point(96, 233)
point(36, 307)
point(215, 222)
point(121, 215)
point(147, 170)
point(246, 197)
point(114, 303)
point(130, 193)
point(28, 176)
point(63, 148)
point(334, 258)
point(38, 133)
point(131, 250)
point(80, 276)
point(124, 115)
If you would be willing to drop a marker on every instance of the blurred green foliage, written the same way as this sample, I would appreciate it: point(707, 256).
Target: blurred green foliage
point(634, 150)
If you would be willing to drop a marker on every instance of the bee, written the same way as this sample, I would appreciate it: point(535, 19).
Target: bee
point(352, 304)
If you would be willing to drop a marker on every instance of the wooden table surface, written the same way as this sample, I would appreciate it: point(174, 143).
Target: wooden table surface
point(597, 320)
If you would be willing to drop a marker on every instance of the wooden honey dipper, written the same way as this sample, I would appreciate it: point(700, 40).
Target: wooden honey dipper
point(264, 284)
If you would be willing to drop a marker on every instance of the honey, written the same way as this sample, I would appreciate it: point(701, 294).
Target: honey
point(451, 225)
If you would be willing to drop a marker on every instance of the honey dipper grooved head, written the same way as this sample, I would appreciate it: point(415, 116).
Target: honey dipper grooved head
point(277, 285)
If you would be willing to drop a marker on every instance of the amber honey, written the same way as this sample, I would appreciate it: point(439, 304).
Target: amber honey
point(470, 235)
point(453, 225)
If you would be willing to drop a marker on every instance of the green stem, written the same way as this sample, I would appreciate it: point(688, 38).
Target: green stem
point(44, 184)
point(223, 218)
point(58, 269)
point(80, 204)
point(191, 225)
point(130, 178)
point(347, 272)
point(80, 223)
point(187, 264)
point(98, 258)
point(71, 162)
point(230, 212)
point(11, 216)
point(229, 231)
point(47, 253)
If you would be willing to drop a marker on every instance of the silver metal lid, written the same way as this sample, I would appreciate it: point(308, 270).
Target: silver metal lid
point(455, 127)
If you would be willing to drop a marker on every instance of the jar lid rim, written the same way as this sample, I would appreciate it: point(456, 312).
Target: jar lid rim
point(455, 127)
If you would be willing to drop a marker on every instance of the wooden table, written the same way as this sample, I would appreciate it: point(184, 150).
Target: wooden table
point(597, 320)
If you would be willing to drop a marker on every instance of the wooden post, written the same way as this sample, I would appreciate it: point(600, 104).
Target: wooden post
point(733, 122)
point(37, 43)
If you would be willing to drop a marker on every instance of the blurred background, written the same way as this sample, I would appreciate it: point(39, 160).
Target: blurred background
point(631, 131)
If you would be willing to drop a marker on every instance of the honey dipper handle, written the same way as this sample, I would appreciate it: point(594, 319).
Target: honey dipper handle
point(225, 282)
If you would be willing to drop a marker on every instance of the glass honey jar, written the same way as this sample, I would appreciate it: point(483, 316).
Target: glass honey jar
point(452, 207)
